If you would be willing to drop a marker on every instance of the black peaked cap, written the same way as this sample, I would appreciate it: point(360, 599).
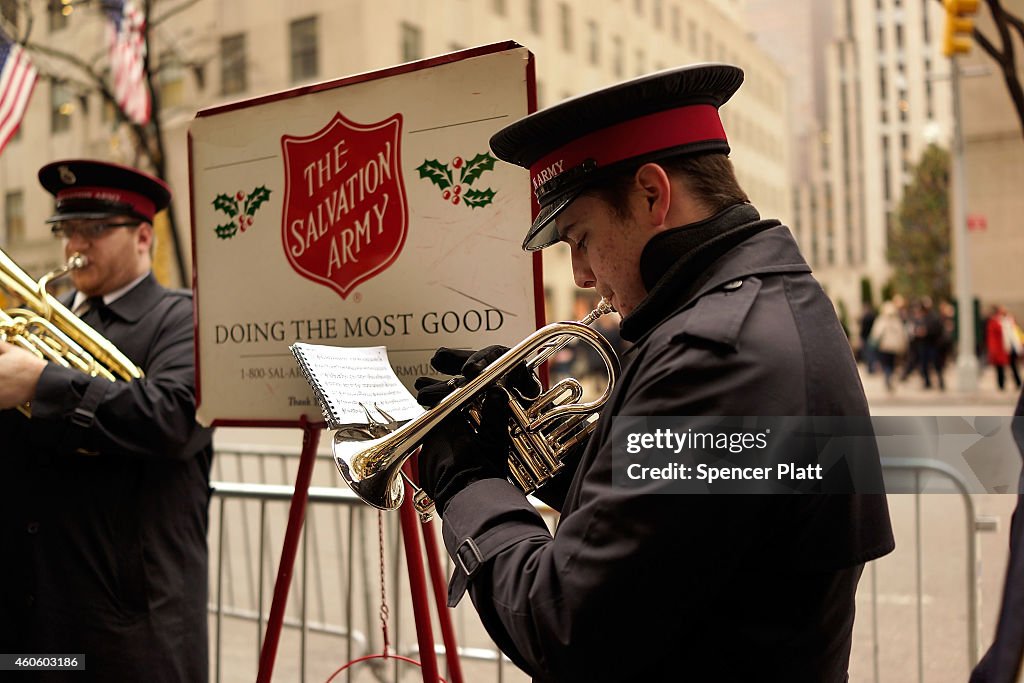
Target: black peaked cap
point(533, 137)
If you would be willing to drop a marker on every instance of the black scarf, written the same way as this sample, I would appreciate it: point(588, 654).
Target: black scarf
point(675, 264)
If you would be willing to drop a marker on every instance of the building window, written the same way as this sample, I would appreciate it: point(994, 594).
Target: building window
point(617, 58)
point(565, 17)
point(638, 5)
point(641, 67)
point(9, 11)
point(61, 108)
point(171, 82)
point(304, 49)
point(593, 47)
point(499, 7)
point(14, 217)
point(882, 85)
point(692, 33)
point(108, 112)
point(899, 37)
point(677, 25)
point(926, 25)
point(232, 64)
point(412, 42)
point(929, 99)
point(657, 15)
point(533, 15)
point(57, 15)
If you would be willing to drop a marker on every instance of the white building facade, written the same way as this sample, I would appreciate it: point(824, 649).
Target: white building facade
point(216, 51)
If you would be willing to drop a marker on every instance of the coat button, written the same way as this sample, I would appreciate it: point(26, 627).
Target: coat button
point(730, 286)
point(32, 527)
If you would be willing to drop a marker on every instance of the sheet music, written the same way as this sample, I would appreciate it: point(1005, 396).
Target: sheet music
point(347, 378)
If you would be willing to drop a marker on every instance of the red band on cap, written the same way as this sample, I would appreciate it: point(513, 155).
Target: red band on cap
point(633, 138)
point(139, 203)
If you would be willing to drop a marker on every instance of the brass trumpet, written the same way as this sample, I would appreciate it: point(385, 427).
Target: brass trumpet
point(45, 327)
point(542, 428)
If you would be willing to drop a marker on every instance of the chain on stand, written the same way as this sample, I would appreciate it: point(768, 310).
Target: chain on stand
point(384, 611)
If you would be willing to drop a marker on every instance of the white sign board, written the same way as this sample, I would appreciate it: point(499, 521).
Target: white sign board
point(361, 212)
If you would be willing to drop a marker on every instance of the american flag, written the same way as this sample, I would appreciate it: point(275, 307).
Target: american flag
point(127, 57)
point(17, 78)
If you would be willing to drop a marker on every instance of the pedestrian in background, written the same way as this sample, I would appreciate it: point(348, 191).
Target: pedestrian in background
point(868, 354)
point(1003, 345)
point(933, 331)
point(889, 336)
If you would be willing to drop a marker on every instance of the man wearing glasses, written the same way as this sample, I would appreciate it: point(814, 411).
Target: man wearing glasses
point(105, 516)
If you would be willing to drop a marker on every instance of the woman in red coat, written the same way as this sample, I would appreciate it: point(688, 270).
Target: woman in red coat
point(1001, 347)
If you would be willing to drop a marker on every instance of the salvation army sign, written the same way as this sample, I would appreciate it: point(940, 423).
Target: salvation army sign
point(345, 214)
point(366, 211)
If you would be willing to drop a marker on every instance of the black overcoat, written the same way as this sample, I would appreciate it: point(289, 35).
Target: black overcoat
point(684, 587)
point(105, 511)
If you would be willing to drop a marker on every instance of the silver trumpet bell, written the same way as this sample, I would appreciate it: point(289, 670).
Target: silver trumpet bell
point(542, 428)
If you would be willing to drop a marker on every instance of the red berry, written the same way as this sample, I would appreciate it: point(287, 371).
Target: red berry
point(457, 162)
point(458, 189)
point(248, 220)
point(446, 194)
point(239, 195)
point(455, 199)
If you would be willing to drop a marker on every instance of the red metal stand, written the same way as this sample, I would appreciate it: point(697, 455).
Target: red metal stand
point(444, 615)
point(418, 588)
point(411, 529)
point(296, 517)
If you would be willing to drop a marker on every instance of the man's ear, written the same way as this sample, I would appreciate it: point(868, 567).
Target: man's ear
point(145, 236)
point(655, 189)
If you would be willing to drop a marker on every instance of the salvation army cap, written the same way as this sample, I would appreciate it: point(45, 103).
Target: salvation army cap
point(87, 189)
point(568, 146)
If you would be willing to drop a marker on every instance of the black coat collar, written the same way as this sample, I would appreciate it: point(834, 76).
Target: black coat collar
point(135, 303)
point(680, 265)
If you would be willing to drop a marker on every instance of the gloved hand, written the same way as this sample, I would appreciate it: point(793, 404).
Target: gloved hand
point(452, 457)
point(466, 365)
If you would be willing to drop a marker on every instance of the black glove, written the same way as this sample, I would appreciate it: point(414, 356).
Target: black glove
point(487, 449)
point(453, 457)
point(466, 365)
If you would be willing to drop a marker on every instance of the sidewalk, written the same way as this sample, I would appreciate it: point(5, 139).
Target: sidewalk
point(912, 392)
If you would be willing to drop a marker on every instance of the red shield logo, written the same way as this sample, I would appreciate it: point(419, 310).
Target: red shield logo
point(345, 215)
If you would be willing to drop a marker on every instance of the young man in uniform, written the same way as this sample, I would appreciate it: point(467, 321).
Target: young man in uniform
point(725, 319)
point(104, 520)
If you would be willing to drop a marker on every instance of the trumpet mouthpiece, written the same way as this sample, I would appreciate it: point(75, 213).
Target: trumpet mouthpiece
point(76, 261)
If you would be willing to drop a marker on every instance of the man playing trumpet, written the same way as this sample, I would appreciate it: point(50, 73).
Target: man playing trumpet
point(725, 320)
point(104, 522)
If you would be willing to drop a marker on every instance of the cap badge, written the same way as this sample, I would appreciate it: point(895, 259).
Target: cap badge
point(66, 175)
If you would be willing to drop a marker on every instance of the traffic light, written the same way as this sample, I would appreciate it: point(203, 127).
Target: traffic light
point(959, 26)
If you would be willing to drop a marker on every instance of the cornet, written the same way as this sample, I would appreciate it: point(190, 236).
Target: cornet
point(542, 429)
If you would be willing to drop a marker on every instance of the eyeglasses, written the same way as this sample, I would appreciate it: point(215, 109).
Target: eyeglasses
point(89, 231)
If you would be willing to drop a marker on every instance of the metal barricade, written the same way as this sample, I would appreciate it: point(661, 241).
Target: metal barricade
point(346, 567)
point(335, 589)
point(908, 475)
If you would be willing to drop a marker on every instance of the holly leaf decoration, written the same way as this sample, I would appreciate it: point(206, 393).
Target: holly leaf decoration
point(227, 204)
point(255, 199)
point(475, 198)
point(226, 231)
point(436, 172)
point(476, 166)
